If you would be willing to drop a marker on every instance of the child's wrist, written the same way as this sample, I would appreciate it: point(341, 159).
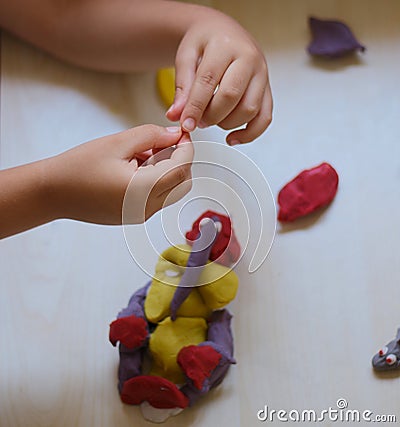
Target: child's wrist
point(191, 14)
point(49, 190)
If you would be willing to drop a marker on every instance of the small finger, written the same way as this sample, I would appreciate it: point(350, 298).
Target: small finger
point(248, 107)
point(257, 126)
point(159, 154)
point(231, 89)
point(177, 192)
point(169, 173)
point(173, 176)
point(156, 202)
point(142, 157)
point(209, 73)
point(184, 151)
point(148, 137)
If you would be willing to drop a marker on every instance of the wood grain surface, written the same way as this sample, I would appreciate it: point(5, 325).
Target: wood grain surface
point(307, 323)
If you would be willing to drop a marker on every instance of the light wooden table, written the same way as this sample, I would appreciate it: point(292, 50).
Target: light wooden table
point(307, 323)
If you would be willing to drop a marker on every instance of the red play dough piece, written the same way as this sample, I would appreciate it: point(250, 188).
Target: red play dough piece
point(131, 331)
point(310, 190)
point(198, 362)
point(158, 391)
point(226, 248)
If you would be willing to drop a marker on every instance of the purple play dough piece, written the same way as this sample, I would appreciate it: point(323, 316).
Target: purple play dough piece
point(130, 360)
point(130, 364)
point(332, 39)
point(220, 333)
point(136, 303)
point(220, 338)
point(216, 378)
point(197, 260)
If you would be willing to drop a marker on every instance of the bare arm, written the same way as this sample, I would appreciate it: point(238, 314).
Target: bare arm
point(23, 199)
point(117, 35)
point(88, 183)
point(210, 50)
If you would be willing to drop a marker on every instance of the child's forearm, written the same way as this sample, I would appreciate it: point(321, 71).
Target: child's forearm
point(221, 75)
point(89, 182)
point(117, 35)
point(23, 200)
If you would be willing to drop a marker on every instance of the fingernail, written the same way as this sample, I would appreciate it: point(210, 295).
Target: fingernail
point(233, 142)
point(170, 109)
point(202, 125)
point(173, 129)
point(189, 125)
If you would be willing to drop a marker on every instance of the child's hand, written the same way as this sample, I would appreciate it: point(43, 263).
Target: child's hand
point(89, 182)
point(211, 51)
point(217, 52)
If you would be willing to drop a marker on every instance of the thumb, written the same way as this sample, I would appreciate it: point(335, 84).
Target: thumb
point(149, 137)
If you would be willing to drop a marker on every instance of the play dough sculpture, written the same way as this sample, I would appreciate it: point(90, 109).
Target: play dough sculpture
point(175, 339)
point(388, 357)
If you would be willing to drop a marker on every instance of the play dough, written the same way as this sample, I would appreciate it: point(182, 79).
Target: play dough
point(310, 190)
point(196, 262)
point(226, 248)
point(160, 295)
point(166, 85)
point(174, 337)
point(388, 357)
point(332, 39)
point(168, 339)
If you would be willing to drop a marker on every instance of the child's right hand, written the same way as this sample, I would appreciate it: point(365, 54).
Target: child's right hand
point(221, 78)
point(89, 182)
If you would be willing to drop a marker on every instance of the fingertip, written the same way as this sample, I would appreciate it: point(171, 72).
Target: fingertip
point(184, 152)
point(174, 129)
point(254, 129)
point(189, 124)
point(238, 137)
point(172, 113)
point(185, 137)
point(233, 142)
point(170, 109)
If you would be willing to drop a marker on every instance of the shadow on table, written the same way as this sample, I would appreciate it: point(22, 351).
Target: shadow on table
point(387, 375)
point(302, 223)
point(334, 64)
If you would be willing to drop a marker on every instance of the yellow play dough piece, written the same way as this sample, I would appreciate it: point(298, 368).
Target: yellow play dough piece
point(163, 287)
point(168, 339)
point(166, 85)
point(177, 255)
point(159, 297)
point(221, 288)
point(219, 292)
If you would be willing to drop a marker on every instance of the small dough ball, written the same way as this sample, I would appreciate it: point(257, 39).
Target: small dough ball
point(166, 85)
